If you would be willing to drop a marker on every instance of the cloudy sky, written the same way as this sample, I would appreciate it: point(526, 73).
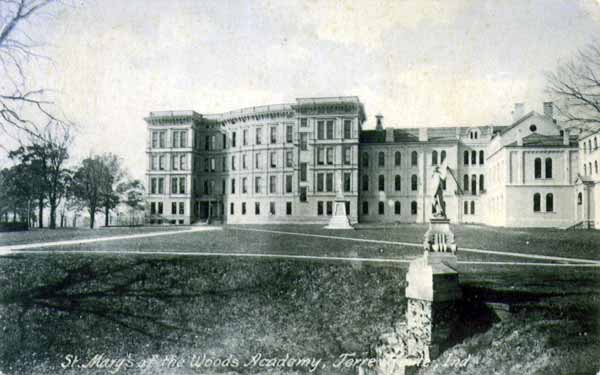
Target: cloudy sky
point(418, 63)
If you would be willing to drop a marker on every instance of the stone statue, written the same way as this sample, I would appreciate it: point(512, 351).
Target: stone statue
point(438, 179)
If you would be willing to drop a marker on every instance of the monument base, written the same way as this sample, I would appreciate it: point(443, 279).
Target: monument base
point(439, 237)
point(339, 220)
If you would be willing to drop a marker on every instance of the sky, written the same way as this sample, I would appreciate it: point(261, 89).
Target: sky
point(419, 63)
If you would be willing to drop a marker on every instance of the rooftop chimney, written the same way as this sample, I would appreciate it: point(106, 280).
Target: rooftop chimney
point(389, 135)
point(519, 111)
point(379, 122)
point(519, 137)
point(566, 140)
point(549, 109)
point(423, 137)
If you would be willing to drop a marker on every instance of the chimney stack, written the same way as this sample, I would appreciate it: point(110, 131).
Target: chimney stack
point(519, 137)
point(566, 140)
point(423, 137)
point(549, 109)
point(519, 111)
point(389, 135)
point(379, 122)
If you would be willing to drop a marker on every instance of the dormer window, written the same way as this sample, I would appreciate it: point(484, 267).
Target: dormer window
point(473, 134)
point(533, 128)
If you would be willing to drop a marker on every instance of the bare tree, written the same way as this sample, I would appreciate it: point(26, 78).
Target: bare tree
point(21, 106)
point(576, 85)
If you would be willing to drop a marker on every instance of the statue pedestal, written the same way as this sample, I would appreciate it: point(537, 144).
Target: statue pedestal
point(339, 220)
point(439, 237)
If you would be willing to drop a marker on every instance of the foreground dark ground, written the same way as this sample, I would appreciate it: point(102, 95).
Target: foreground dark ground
point(52, 305)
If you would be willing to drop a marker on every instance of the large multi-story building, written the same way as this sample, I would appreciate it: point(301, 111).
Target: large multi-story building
point(286, 163)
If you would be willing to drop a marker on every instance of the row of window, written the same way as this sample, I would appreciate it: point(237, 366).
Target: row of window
point(177, 208)
point(587, 168)
point(178, 162)
point(537, 202)
point(178, 139)
point(587, 146)
point(397, 183)
point(414, 158)
point(473, 184)
point(397, 208)
point(157, 185)
point(471, 157)
point(469, 207)
point(538, 168)
point(272, 208)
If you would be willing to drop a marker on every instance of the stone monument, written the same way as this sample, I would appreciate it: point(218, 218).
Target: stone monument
point(339, 220)
point(433, 298)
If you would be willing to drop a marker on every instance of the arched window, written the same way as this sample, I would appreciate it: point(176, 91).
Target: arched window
point(466, 158)
point(579, 198)
point(549, 202)
point(590, 167)
point(397, 207)
point(590, 145)
point(466, 208)
point(381, 208)
point(473, 157)
point(434, 158)
point(466, 183)
point(595, 143)
point(365, 159)
point(381, 182)
point(442, 156)
point(472, 207)
point(537, 166)
point(481, 158)
point(584, 169)
point(381, 159)
point(365, 183)
point(584, 147)
point(397, 158)
point(413, 182)
point(536, 202)
point(414, 158)
point(474, 184)
point(481, 185)
point(548, 165)
point(413, 208)
point(397, 183)
point(596, 166)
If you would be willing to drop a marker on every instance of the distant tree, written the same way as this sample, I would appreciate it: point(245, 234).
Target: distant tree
point(109, 197)
point(88, 183)
point(132, 195)
point(576, 85)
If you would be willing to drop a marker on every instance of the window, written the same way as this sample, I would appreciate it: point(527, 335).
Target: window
point(330, 155)
point(154, 139)
point(161, 162)
point(381, 182)
point(473, 157)
point(273, 159)
point(224, 140)
point(231, 208)
point(381, 208)
point(397, 158)
point(289, 134)
point(466, 208)
point(162, 139)
point(173, 208)
point(365, 159)
point(472, 207)
point(160, 208)
point(365, 208)
point(397, 207)
point(413, 208)
point(365, 183)
point(181, 208)
point(320, 182)
point(213, 165)
point(381, 159)
point(303, 122)
point(245, 137)
point(434, 158)
point(347, 155)
point(288, 208)
point(257, 185)
point(329, 206)
point(320, 155)
point(549, 202)
point(272, 184)
point(319, 208)
point(223, 187)
point(481, 158)
point(474, 184)
point(244, 164)
point(153, 185)
point(595, 143)
point(414, 159)
point(244, 185)
point(413, 182)
point(256, 208)
point(466, 158)
point(330, 129)
point(152, 208)
point(548, 167)
point(289, 159)
point(536, 202)
point(533, 128)
point(174, 162)
point(233, 139)
point(273, 135)
point(590, 167)
point(174, 185)
point(257, 160)
point(347, 129)
point(347, 182)
point(397, 183)
point(302, 193)
point(272, 208)
point(537, 166)
point(233, 186)
point(347, 205)
point(579, 198)
point(288, 183)
point(329, 182)
point(321, 129)
point(243, 208)
point(258, 136)
point(303, 172)
point(481, 183)
point(584, 169)
point(303, 141)
point(596, 166)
